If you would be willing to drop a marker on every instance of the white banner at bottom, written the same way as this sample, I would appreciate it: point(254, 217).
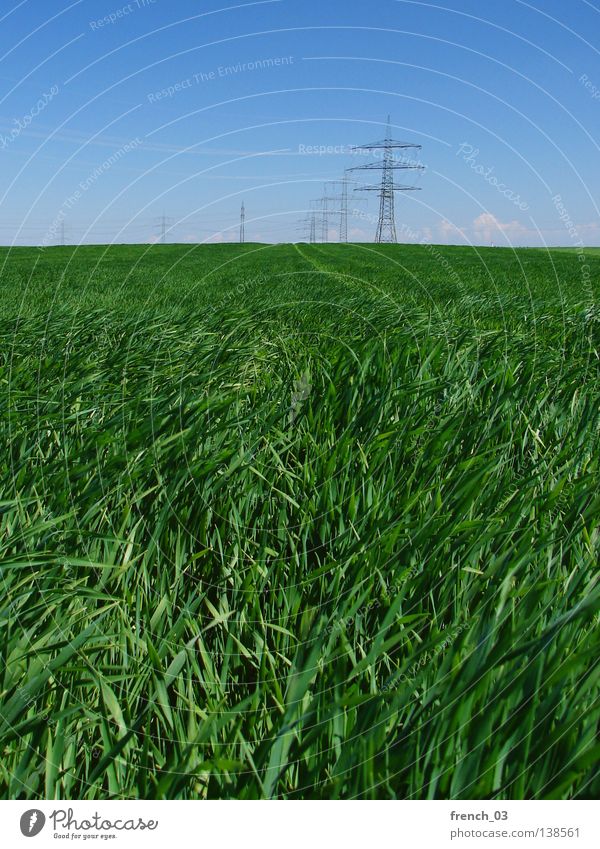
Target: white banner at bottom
point(312, 824)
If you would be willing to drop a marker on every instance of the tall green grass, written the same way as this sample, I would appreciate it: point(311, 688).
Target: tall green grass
point(315, 522)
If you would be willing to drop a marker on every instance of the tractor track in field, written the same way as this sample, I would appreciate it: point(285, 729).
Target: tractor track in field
point(322, 269)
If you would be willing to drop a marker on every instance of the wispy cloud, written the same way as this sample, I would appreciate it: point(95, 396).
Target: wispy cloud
point(487, 227)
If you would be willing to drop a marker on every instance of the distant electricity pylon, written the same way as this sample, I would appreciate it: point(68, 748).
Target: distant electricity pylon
point(326, 211)
point(344, 210)
point(308, 226)
point(341, 209)
point(62, 233)
point(386, 226)
point(303, 224)
point(163, 223)
point(242, 224)
point(343, 200)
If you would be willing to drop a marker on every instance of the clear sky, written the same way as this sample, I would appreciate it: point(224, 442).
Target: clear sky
point(113, 114)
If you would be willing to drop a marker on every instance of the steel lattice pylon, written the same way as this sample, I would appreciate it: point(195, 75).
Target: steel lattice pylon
point(308, 226)
point(344, 210)
point(386, 225)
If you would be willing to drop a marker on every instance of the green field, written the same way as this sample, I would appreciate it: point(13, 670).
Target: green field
point(299, 522)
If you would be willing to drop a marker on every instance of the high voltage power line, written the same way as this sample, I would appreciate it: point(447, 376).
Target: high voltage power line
point(333, 204)
point(386, 225)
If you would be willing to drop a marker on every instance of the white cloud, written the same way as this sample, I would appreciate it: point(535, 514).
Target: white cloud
point(486, 227)
point(358, 235)
point(450, 232)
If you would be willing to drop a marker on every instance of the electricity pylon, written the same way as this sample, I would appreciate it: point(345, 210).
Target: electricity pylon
point(163, 223)
point(386, 226)
point(342, 199)
point(325, 213)
point(243, 224)
point(344, 210)
point(308, 226)
point(304, 225)
point(327, 210)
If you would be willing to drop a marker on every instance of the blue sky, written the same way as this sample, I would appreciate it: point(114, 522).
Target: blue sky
point(113, 114)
